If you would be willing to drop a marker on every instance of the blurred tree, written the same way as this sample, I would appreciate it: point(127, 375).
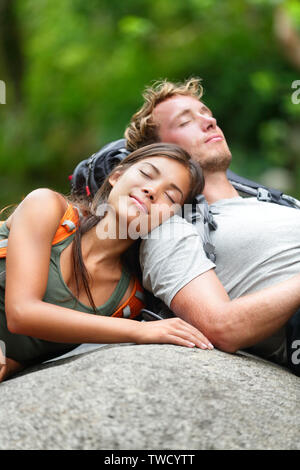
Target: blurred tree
point(287, 34)
point(10, 39)
point(80, 69)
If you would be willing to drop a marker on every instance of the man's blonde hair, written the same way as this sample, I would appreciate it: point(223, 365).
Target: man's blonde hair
point(142, 130)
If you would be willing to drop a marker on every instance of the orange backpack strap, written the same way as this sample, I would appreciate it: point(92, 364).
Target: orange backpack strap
point(134, 304)
point(3, 248)
point(67, 226)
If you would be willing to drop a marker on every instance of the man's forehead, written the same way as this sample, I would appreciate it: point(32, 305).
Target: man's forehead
point(172, 107)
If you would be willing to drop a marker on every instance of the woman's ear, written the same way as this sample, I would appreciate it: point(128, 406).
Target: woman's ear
point(115, 177)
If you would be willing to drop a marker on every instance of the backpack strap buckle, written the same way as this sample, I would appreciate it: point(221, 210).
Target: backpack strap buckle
point(264, 195)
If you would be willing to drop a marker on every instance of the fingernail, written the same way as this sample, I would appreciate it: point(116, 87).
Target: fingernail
point(210, 346)
point(204, 346)
point(192, 345)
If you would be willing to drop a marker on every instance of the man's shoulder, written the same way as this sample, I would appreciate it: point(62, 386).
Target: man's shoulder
point(175, 227)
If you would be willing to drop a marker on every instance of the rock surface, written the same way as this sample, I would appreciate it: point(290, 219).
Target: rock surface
point(151, 397)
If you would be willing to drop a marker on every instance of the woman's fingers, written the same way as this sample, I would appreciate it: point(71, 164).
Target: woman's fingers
point(191, 337)
point(174, 331)
point(195, 334)
point(179, 341)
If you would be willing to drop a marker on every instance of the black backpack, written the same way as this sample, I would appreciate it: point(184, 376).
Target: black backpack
point(89, 174)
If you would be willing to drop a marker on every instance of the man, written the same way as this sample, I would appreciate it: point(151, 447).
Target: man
point(257, 244)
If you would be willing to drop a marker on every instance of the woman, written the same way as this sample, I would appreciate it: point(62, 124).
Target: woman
point(51, 279)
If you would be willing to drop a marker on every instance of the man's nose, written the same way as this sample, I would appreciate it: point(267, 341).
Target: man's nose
point(207, 122)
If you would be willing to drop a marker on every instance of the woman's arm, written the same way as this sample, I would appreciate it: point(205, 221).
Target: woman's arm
point(32, 228)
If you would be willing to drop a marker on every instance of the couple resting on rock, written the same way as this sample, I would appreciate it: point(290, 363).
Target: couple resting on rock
point(59, 262)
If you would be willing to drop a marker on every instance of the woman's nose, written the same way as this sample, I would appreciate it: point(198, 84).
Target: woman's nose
point(149, 192)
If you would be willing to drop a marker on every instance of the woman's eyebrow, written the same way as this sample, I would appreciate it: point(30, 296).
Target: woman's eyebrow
point(172, 185)
point(154, 167)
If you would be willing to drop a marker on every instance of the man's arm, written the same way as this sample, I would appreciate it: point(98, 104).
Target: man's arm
point(176, 269)
point(235, 324)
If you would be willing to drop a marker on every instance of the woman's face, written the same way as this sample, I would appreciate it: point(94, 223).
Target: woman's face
point(149, 192)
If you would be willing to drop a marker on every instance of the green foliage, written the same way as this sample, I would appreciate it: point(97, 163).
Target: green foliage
point(87, 63)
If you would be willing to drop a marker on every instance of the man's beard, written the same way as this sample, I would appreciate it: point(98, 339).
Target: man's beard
point(216, 163)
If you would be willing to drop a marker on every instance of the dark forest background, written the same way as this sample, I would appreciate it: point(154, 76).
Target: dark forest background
point(75, 70)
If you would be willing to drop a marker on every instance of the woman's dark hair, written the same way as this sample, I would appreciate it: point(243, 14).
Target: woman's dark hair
point(90, 218)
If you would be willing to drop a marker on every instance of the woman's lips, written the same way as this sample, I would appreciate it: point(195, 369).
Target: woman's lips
point(139, 203)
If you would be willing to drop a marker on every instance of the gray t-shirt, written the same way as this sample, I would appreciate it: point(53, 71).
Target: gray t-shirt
point(171, 256)
point(257, 245)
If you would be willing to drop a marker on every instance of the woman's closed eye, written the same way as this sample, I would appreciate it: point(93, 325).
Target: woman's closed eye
point(171, 197)
point(147, 175)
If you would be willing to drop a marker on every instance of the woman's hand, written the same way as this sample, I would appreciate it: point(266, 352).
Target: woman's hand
point(172, 331)
point(9, 368)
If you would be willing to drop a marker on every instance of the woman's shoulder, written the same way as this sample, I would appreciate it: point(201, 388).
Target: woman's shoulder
point(43, 201)
point(47, 196)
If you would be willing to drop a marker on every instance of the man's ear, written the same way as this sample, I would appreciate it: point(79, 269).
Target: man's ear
point(115, 177)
